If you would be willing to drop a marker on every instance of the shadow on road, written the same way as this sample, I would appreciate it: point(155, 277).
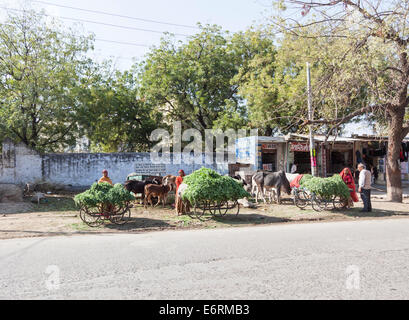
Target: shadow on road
point(355, 212)
point(244, 218)
point(138, 223)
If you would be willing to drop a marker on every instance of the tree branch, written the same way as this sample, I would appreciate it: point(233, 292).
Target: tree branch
point(344, 119)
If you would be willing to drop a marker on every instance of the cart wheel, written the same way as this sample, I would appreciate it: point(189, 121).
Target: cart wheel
point(301, 199)
point(121, 218)
point(340, 203)
point(317, 203)
point(237, 204)
point(213, 208)
point(92, 217)
point(222, 208)
point(198, 210)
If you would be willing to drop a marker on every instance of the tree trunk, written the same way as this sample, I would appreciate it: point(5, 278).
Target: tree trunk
point(393, 173)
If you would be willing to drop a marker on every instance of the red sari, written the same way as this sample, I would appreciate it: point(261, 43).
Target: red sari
point(346, 175)
point(178, 181)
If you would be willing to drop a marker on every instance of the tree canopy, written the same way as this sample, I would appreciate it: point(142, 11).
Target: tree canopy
point(113, 116)
point(363, 48)
point(197, 82)
point(41, 66)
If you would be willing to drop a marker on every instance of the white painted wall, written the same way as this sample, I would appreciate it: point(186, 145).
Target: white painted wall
point(20, 165)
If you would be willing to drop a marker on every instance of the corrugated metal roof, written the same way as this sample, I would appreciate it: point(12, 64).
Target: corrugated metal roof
point(322, 138)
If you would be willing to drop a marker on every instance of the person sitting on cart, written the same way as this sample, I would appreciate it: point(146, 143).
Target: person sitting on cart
point(105, 177)
point(346, 175)
point(107, 206)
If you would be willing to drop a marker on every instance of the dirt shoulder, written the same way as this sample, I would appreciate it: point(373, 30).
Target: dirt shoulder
point(59, 216)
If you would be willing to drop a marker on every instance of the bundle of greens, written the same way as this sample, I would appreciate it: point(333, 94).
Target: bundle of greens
point(326, 188)
point(100, 193)
point(207, 185)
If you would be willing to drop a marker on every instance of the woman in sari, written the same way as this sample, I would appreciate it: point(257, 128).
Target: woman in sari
point(346, 175)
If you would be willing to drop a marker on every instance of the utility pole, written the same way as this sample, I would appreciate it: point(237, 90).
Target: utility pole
point(313, 156)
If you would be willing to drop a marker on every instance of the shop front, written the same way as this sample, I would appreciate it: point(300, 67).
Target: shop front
point(269, 156)
point(340, 157)
point(300, 156)
point(259, 153)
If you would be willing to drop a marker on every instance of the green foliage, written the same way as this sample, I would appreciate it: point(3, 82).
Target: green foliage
point(207, 185)
point(326, 188)
point(113, 116)
point(305, 178)
point(41, 67)
point(100, 193)
point(195, 82)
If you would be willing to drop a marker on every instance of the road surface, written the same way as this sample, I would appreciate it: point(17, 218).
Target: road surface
point(366, 259)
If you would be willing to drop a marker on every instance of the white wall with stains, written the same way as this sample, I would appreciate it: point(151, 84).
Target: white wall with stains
point(21, 165)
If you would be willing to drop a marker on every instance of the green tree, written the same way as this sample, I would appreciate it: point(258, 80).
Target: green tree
point(193, 82)
point(113, 116)
point(41, 66)
point(364, 46)
point(275, 85)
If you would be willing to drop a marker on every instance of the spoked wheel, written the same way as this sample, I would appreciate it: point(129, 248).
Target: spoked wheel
point(213, 208)
point(91, 216)
point(329, 204)
point(199, 209)
point(301, 199)
point(222, 207)
point(340, 203)
point(122, 217)
point(317, 203)
point(225, 207)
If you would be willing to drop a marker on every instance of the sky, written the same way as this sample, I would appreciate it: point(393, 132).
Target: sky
point(232, 15)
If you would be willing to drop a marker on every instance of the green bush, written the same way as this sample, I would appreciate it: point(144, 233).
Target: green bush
point(304, 178)
point(207, 185)
point(326, 188)
point(100, 193)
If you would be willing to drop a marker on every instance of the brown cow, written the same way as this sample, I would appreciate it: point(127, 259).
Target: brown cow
point(171, 181)
point(154, 190)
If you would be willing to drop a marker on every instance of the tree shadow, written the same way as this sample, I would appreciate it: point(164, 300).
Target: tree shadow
point(138, 224)
point(52, 203)
point(241, 219)
point(355, 212)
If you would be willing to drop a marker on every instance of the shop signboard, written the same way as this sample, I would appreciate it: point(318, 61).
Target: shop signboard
point(269, 146)
point(342, 147)
point(299, 146)
point(246, 150)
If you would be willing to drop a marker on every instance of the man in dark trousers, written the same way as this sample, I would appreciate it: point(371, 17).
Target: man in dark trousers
point(365, 187)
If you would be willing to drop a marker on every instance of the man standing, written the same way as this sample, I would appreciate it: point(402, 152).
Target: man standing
point(294, 168)
point(105, 177)
point(365, 187)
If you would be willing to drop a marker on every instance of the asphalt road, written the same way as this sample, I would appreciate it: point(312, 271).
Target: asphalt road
point(338, 260)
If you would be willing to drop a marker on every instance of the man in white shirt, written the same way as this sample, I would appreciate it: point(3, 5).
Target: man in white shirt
point(294, 168)
point(364, 185)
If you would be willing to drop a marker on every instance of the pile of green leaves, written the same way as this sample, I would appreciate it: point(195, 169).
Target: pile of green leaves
point(207, 185)
point(100, 193)
point(326, 188)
